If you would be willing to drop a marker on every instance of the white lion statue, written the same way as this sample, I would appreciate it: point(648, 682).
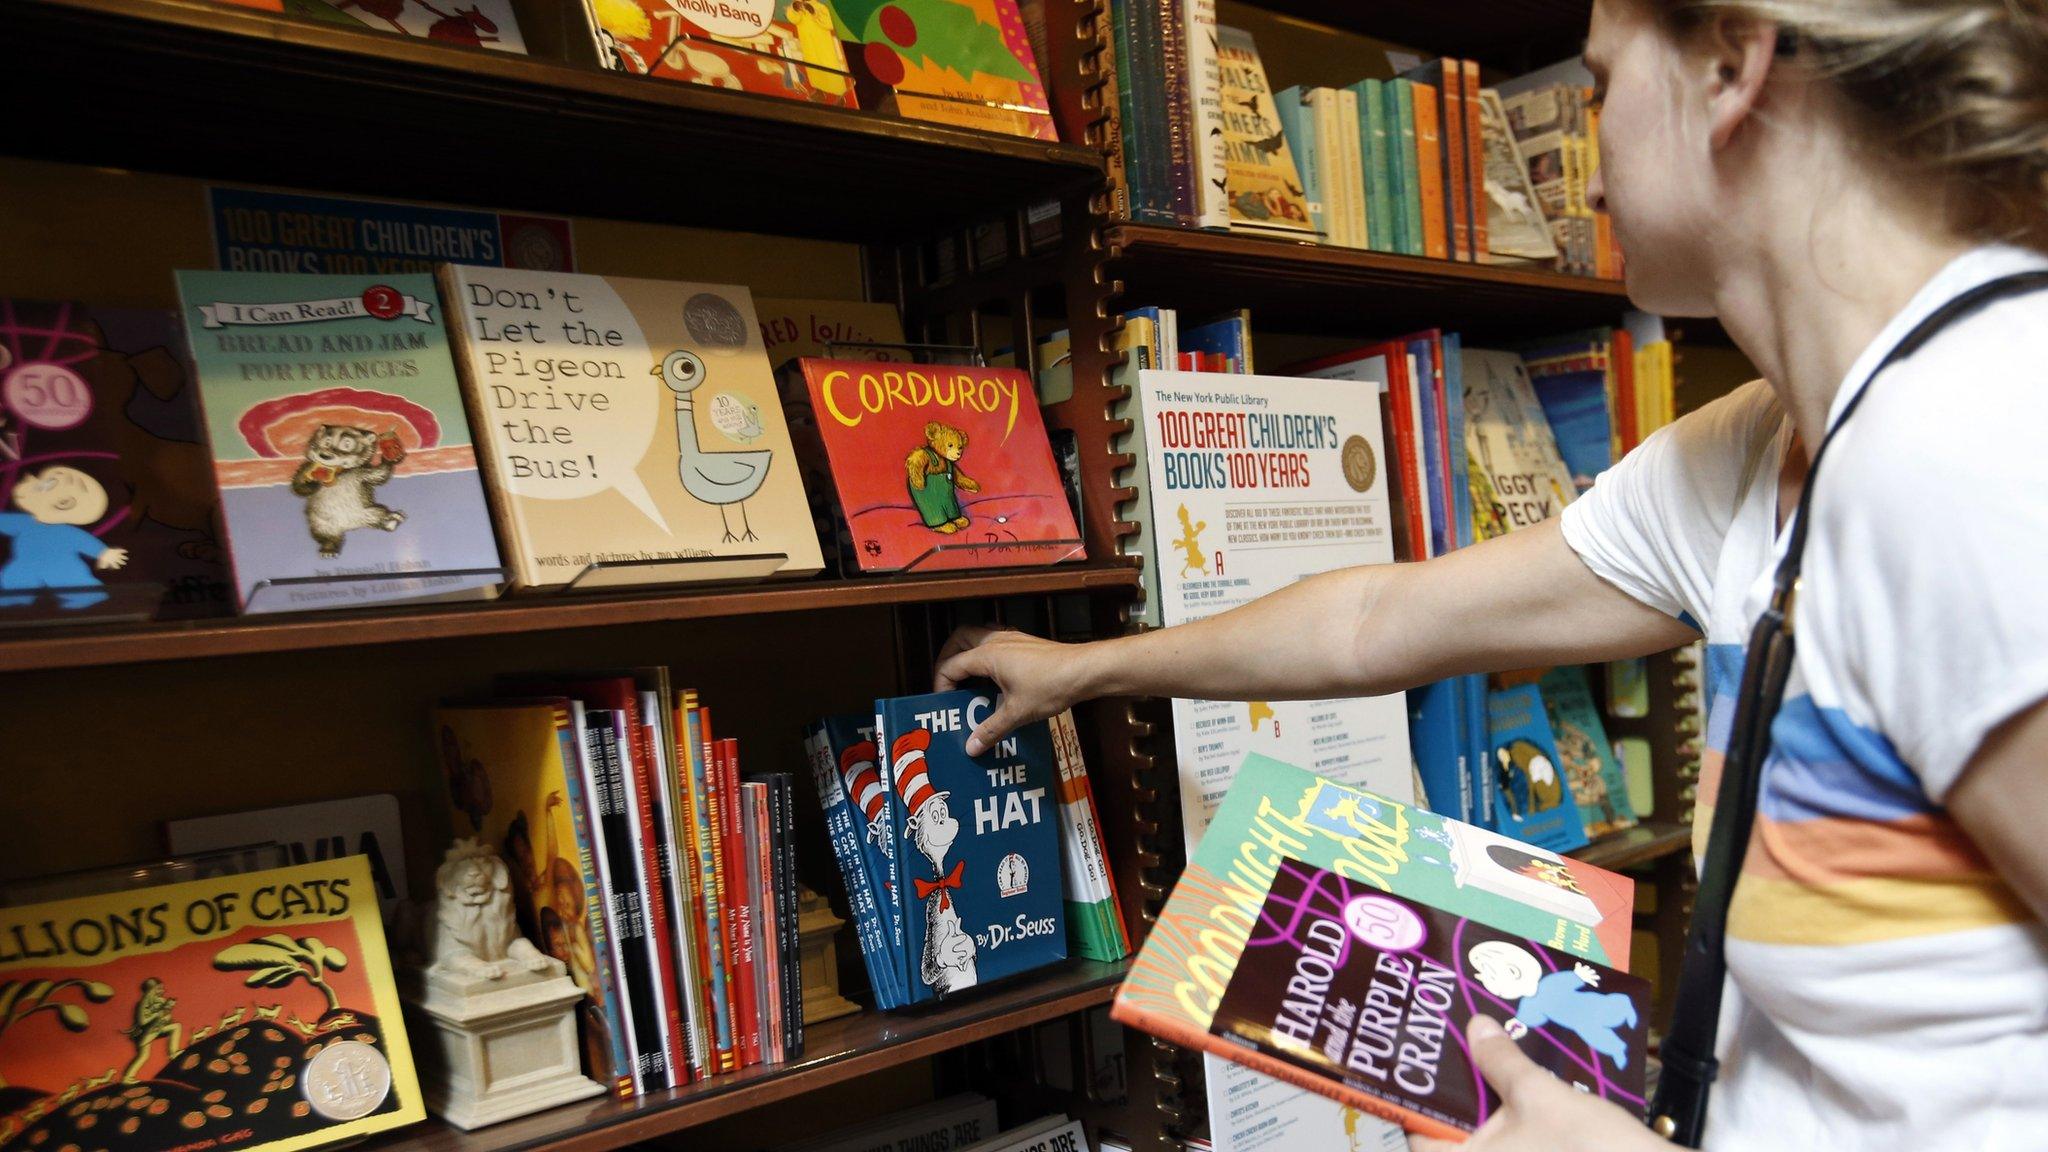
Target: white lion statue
point(474, 932)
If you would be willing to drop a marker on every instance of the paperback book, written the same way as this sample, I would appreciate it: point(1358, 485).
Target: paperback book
point(629, 428)
point(343, 457)
point(1265, 187)
point(982, 895)
point(1276, 813)
point(109, 505)
point(1532, 801)
point(255, 1009)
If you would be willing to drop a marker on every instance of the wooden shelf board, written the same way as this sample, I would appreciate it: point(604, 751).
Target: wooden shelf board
point(207, 90)
point(1315, 288)
point(1641, 844)
point(77, 647)
point(1512, 35)
point(836, 1050)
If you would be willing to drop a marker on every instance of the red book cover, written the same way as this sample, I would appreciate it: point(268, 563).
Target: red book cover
point(944, 457)
point(788, 48)
point(660, 914)
point(724, 1040)
point(1622, 356)
point(767, 954)
point(1406, 451)
point(1439, 428)
point(746, 1021)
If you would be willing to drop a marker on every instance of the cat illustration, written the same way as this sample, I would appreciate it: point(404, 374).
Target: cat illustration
point(342, 465)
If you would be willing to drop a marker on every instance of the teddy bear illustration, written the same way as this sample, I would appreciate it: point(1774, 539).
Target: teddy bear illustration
point(936, 480)
point(342, 465)
point(947, 963)
point(1565, 998)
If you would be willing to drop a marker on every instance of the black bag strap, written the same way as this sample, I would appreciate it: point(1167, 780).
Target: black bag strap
point(1679, 1111)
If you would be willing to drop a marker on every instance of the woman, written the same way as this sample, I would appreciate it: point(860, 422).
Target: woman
point(1821, 175)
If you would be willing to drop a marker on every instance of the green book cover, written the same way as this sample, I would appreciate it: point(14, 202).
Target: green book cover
point(1379, 192)
point(1402, 109)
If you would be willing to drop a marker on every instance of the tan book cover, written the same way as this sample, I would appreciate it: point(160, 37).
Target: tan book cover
point(1265, 186)
point(629, 430)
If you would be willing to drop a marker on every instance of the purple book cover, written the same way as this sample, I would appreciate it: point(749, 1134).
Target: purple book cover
point(1373, 991)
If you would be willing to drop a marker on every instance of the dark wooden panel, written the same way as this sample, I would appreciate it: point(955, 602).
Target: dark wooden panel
point(1631, 847)
point(1311, 288)
point(198, 88)
point(1511, 35)
point(837, 1050)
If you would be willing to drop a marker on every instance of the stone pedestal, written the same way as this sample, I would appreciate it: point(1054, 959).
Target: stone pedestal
point(818, 933)
point(490, 1050)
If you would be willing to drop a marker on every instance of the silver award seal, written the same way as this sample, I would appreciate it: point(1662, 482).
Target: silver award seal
point(346, 1080)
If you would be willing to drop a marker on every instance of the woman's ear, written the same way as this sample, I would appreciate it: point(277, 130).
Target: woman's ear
point(1740, 52)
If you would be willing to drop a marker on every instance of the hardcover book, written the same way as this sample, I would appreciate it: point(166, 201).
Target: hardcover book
point(343, 457)
point(841, 752)
point(786, 48)
point(111, 507)
point(630, 425)
point(1532, 801)
point(1265, 187)
point(983, 894)
point(366, 826)
point(1276, 811)
point(962, 62)
point(940, 466)
point(475, 23)
point(1370, 993)
point(256, 1010)
point(1590, 767)
point(515, 774)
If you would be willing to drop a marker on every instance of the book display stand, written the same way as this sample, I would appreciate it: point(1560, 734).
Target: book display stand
point(36, 608)
point(265, 592)
point(116, 721)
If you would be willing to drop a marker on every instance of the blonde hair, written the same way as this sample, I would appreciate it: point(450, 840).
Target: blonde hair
point(1953, 90)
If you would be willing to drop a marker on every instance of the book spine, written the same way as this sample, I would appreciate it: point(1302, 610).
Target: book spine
point(1475, 160)
point(711, 853)
point(674, 819)
point(1115, 95)
point(1407, 150)
point(1137, 151)
point(1404, 453)
point(1457, 183)
point(1296, 125)
point(616, 1064)
point(1479, 751)
point(753, 824)
point(1321, 109)
point(792, 915)
point(655, 1038)
point(1461, 457)
point(622, 900)
point(892, 872)
point(690, 880)
point(1429, 172)
point(1440, 436)
point(1434, 466)
point(1348, 133)
point(745, 1008)
point(1379, 216)
point(1095, 920)
point(1179, 1032)
point(640, 772)
point(1178, 93)
point(1205, 71)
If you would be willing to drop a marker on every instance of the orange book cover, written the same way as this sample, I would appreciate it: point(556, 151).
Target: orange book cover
point(1429, 160)
point(252, 1011)
point(1475, 160)
point(1457, 188)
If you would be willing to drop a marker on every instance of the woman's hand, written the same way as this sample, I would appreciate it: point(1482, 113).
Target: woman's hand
point(1539, 1112)
point(1037, 678)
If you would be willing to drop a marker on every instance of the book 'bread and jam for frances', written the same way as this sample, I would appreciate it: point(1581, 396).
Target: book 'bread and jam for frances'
point(342, 454)
point(630, 425)
point(111, 507)
point(252, 1011)
point(939, 466)
point(981, 891)
point(1429, 920)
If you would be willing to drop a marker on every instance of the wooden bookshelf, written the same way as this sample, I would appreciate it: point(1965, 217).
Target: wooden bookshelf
point(204, 89)
point(1630, 847)
point(1317, 288)
point(80, 647)
point(836, 1050)
point(1514, 36)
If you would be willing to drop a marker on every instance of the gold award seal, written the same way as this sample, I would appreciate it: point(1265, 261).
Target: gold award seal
point(347, 1080)
point(1359, 467)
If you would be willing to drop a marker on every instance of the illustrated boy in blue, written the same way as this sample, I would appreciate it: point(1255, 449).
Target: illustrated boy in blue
point(48, 546)
point(1565, 999)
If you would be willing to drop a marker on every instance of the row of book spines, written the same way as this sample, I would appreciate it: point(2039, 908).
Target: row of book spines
point(1095, 918)
point(1161, 72)
point(1389, 165)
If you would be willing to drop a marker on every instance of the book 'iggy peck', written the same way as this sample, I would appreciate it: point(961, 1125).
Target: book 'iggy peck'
point(255, 1011)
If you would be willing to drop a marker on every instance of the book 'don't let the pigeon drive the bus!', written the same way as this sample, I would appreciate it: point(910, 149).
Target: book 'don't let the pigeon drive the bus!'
point(629, 429)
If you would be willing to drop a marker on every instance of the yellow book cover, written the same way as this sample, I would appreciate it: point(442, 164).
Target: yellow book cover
point(515, 782)
point(1264, 185)
point(630, 424)
point(247, 1012)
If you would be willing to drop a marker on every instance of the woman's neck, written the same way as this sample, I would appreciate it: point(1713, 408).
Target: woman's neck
point(1821, 270)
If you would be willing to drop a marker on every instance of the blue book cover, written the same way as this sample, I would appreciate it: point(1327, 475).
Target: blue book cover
point(1478, 749)
point(1461, 459)
point(851, 742)
point(1437, 732)
point(1532, 801)
point(1298, 126)
point(848, 852)
point(983, 892)
point(1433, 463)
point(1230, 337)
point(1380, 193)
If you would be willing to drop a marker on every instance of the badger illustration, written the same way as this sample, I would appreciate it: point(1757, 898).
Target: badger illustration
point(342, 465)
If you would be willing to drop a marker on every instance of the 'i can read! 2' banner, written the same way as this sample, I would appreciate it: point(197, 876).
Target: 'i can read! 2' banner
point(247, 1012)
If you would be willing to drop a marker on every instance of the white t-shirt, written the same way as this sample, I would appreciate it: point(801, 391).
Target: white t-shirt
point(1888, 989)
